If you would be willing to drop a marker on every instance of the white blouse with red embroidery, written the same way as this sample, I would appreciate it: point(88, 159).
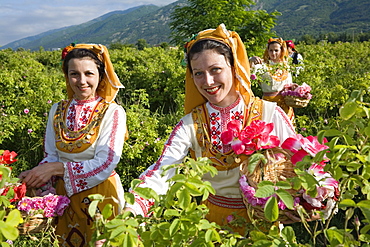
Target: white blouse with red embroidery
point(183, 138)
point(84, 170)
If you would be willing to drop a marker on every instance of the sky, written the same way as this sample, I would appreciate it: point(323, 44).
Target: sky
point(23, 18)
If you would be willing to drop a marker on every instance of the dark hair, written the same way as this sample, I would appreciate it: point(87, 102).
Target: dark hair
point(83, 53)
point(207, 44)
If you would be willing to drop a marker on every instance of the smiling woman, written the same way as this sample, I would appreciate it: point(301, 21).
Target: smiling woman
point(83, 141)
point(217, 92)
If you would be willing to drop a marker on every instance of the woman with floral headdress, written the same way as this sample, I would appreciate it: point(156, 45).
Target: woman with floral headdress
point(274, 71)
point(217, 91)
point(83, 141)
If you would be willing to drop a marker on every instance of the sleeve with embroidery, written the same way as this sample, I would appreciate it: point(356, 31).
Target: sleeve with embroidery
point(174, 151)
point(81, 175)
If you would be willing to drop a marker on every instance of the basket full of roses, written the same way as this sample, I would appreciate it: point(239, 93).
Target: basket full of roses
point(297, 96)
point(270, 182)
point(39, 209)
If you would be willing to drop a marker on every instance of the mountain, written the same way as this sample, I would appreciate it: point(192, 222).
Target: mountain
point(300, 17)
point(150, 22)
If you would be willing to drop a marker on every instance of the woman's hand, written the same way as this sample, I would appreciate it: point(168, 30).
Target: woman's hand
point(41, 174)
point(255, 60)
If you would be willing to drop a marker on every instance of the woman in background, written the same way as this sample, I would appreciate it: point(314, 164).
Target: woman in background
point(274, 70)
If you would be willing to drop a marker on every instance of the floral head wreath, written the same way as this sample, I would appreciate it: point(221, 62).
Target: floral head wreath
point(193, 97)
point(109, 86)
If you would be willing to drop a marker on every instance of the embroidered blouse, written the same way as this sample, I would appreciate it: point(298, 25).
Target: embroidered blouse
point(88, 139)
point(183, 138)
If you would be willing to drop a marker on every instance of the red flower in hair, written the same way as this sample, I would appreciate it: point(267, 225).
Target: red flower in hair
point(64, 52)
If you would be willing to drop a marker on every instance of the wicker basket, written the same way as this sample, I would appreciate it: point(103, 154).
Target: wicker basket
point(35, 224)
point(296, 102)
point(273, 171)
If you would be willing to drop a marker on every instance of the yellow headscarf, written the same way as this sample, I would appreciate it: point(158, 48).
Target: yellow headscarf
point(284, 50)
point(193, 97)
point(109, 86)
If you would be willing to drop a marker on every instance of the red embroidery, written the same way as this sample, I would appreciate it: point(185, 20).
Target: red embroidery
point(81, 184)
point(74, 178)
point(78, 167)
point(219, 120)
point(237, 116)
point(169, 142)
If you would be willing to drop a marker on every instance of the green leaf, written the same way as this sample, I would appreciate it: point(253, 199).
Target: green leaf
point(96, 197)
point(184, 198)
point(147, 193)
point(118, 232)
point(271, 209)
point(364, 238)
point(193, 190)
point(348, 110)
point(129, 240)
point(254, 160)
point(9, 232)
point(289, 234)
point(208, 235)
point(333, 132)
point(286, 197)
point(14, 218)
point(353, 166)
point(264, 183)
point(175, 226)
point(335, 236)
point(92, 208)
point(178, 178)
point(367, 131)
point(265, 191)
point(284, 185)
point(204, 224)
point(107, 211)
point(135, 182)
point(129, 198)
point(170, 213)
point(346, 203)
point(114, 223)
point(365, 208)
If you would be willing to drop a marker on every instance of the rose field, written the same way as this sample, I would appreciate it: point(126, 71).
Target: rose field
point(339, 112)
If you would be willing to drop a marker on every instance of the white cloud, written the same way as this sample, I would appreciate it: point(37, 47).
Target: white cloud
point(24, 18)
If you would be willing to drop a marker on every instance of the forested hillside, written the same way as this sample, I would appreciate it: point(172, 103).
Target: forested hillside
point(298, 19)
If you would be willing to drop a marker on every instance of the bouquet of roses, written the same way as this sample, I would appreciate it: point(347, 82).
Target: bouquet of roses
point(262, 73)
point(269, 176)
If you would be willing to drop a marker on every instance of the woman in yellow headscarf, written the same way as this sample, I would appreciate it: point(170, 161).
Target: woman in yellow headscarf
point(217, 92)
point(275, 69)
point(83, 142)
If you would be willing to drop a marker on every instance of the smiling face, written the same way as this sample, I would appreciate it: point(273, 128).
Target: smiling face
point(213, 77)
point(274, 51)
point(83, 76)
